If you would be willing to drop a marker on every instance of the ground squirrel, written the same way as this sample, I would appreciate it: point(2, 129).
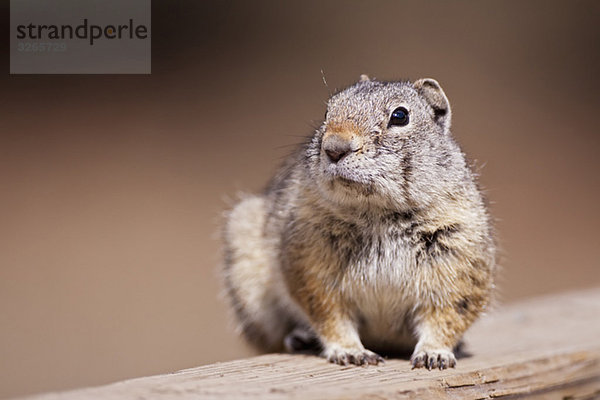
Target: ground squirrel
point(373, 236)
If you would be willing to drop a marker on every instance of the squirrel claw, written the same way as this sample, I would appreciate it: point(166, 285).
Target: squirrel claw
point(441, 359)
point(351, 356)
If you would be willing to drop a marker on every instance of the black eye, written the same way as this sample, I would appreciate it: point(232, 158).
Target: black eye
point(399, 117)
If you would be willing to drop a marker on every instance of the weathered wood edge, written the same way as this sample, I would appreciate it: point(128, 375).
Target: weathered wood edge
point(545, 347)
point(576, 373)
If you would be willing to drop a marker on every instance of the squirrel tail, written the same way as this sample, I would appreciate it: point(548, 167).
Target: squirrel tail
point(248, 276)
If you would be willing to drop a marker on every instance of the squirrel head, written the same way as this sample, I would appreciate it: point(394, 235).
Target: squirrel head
point(385, 143)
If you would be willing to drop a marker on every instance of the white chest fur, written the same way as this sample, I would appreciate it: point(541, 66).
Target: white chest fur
point(376, 283)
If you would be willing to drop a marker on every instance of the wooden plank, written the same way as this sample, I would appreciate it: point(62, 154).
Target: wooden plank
point(546, 347)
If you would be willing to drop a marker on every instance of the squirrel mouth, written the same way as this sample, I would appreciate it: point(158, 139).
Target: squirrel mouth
point(346, 181)
point(363, 188)
point(341, 178)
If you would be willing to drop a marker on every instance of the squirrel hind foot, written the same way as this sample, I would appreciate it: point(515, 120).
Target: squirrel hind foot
point(302, 340)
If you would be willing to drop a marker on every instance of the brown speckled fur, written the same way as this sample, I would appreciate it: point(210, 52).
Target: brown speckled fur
point(389, 247)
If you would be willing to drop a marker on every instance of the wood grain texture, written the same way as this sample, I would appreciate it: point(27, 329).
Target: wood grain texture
point(546, 347)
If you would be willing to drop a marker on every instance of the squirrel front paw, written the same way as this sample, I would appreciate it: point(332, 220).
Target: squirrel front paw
point(433, 358)
point(345, 356)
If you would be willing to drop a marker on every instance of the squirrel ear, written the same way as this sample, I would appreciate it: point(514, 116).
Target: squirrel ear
point(364, 78)
point(432, 92)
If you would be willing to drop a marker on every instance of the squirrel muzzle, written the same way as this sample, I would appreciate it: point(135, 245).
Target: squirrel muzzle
point(339, 144)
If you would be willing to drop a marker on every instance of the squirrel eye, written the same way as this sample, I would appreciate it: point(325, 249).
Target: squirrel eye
point(399, 117)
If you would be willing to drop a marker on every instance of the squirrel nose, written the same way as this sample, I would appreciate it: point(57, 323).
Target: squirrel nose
point(336, 155)
point(336, 148)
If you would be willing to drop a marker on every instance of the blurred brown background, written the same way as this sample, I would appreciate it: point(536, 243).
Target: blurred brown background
point(112, 187)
